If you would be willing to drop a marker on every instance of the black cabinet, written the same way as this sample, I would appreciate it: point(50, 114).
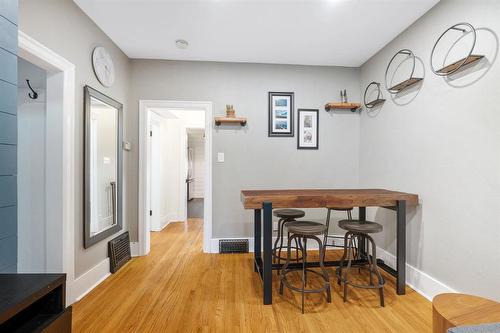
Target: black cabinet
point(34, 303)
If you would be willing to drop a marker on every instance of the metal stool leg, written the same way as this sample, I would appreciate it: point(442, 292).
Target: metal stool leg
point(278, 237)
point(379, 276)
point(323, 270)
point(304, 277)
point(344, 255)
point(288, 255)
point(349, 262)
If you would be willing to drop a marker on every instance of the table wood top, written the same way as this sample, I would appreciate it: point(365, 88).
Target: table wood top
point(317, 198)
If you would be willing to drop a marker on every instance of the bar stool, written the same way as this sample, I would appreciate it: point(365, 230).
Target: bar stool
point(360, 230)
point(328, 214)
point(305, 230)
point(285, 216)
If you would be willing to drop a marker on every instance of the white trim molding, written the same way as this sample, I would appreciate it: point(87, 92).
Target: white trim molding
point(91, 279)
point(421, 282)
point(134, 249)
point(145, 107)
point(61, 146)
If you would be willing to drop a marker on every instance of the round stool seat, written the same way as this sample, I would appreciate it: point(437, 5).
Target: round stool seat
point(340, 209)
point(364, 227)
point(306, 228)
point(289, 213)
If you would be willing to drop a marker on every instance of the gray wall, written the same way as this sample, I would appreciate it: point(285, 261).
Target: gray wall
point(8, 136)
point(64, 28)
point(444, 145)
point(252, 159)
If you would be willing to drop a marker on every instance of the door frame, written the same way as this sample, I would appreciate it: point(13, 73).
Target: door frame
point(60, 151)
point(144, 177)
point(154, 118)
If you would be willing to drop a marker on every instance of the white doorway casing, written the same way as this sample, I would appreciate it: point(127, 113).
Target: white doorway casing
point(60, 141)
point(145, 112)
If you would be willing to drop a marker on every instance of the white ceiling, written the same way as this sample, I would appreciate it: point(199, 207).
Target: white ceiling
point(308, 32)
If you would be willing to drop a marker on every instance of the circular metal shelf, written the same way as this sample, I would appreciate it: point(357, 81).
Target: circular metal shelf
point(456, 66)
point(406, 83)
point(375, 102)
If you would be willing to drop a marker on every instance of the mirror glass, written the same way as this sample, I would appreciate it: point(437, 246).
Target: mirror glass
point(103, 167)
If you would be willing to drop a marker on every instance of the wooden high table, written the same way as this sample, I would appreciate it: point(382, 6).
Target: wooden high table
point(263, 202)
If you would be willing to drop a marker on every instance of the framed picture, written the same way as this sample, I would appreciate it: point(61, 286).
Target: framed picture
point(281, 114)
point(308, 129)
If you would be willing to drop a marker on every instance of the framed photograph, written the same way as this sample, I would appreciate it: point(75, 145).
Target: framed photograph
point(308, 129)
point(281, 114)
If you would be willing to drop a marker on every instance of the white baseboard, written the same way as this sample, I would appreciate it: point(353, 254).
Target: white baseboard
point(134, 249)
point(90, 279)
point(421, 282)
point(198, 195)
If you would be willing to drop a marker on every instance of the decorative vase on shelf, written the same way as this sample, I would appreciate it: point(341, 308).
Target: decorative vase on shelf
point(230, 113)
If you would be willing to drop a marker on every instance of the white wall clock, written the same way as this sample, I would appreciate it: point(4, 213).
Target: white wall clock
point(103, 66)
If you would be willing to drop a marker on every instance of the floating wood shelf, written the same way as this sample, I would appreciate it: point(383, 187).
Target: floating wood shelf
point(405, 84)
point(460, 64)
point(230, 121)
point(375, 102)
point(342, 106)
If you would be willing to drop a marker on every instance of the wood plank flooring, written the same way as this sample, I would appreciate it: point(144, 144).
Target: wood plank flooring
point(178, 288)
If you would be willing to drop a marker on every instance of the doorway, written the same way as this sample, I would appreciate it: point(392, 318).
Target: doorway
point(57, 113)
point(168, 168)
point(195, 174)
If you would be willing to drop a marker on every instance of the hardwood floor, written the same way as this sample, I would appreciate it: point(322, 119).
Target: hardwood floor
point(177, 288)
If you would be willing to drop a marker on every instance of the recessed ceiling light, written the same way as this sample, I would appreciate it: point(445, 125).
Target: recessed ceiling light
point(181, 44)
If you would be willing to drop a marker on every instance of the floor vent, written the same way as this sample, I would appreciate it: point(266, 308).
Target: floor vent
point(233, 246)
point(119, 251)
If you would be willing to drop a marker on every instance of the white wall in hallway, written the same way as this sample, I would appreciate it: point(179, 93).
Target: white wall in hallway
point(32, 226)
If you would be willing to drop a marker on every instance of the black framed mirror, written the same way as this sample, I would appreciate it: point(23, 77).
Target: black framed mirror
point(103, 166)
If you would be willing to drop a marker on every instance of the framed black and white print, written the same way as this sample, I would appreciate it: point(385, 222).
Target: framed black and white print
point(308, 129)
point(281, 114)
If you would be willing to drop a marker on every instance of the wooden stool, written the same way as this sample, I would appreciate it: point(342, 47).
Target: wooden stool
point(285, 216)
point(327, 236)
point(305, 230)
point(360, 229)
point(451, 310)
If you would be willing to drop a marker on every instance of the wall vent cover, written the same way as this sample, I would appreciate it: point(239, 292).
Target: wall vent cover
point(233, 246)
point(119, 251)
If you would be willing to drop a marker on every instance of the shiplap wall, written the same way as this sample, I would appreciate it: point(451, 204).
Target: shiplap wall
point(8, 135)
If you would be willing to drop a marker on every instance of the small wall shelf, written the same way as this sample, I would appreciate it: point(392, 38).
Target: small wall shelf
point(460, 63)
point(465, 28)
point(342, 106)
point(377, 101)
point(408, 82)
point(374, 103)
point(405, 84)
point(230, 121)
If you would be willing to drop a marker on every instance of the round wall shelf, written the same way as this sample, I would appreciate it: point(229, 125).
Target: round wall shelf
point(464, 28)
point(379, 100)
point(395, 89)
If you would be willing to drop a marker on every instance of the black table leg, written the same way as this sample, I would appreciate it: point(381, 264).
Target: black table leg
point(361, 240)
point(267, 276)
point(401, 247)
point(257, 237)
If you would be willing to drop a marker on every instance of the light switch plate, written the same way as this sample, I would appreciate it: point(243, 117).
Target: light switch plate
point(127, 146)
point(220, 157)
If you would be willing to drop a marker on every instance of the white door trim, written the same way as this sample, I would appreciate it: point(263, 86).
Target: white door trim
point(144, 115)
point(63, 75)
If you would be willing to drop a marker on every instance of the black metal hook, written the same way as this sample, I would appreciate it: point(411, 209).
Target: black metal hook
point(35, 94)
